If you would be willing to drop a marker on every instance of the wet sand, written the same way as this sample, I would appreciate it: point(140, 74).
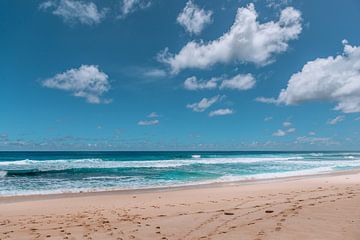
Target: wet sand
point(312, 207)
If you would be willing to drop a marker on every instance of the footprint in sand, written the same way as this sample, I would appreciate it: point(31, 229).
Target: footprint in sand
point(228, 213)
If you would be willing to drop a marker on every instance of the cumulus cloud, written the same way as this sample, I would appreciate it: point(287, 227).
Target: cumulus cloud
point(130, 6)
point(247, 41)
point(221, 112)
point(204, 104)
point(148, 122)
point(193, 18)
point(336, 120)
point(72, 11)
point(86, 81)
point(266, 119)
point(237, 82)
point(192, 83)
point(335, 79)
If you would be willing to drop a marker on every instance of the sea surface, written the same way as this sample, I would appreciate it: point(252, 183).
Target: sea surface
point(26, 173)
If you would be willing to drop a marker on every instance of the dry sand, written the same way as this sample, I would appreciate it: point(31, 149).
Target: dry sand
point(314, 207)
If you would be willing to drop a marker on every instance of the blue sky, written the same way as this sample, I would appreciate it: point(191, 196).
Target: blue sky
point(179, 75)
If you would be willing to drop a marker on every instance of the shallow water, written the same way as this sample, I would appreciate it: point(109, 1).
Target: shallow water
point(23, 173)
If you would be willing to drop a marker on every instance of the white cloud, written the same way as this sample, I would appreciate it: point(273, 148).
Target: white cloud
point(287, 124)
point(130, 6)
point(291, 130)
point(239, 82)
point(283, 132)
point(154, 73)
point(279, 133)
point(266, 100)
point(153, 115)
point(312, 133)
point(336, 120)
point(192, 83)
point(203, 104)
point(73, 11)
point(335, 79)
point(221, 112)
point(246, 41)
point(315, 140)
point(87, 82)
point(193, 18)
point(266, 119)
point(276, 4)
point(148, 122)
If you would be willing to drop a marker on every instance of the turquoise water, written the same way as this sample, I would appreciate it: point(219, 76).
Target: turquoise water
point(24, 173)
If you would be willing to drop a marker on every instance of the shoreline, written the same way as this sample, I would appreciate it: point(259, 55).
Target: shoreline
point(35, 197)
point(321, 206)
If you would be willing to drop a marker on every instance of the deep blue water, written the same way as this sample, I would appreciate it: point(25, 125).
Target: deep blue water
point(53, 172)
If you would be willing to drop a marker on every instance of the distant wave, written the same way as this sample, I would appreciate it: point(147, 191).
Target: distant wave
point(99, 163)
point(100, 172)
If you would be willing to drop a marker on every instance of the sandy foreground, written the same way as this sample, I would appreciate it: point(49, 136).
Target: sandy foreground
point(314, 207)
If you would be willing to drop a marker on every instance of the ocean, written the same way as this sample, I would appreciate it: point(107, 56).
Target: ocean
point(27, 173)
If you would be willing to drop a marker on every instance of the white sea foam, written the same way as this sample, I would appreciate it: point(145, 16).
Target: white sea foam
point(46, 165)
point(3, 174)
point(233, 178)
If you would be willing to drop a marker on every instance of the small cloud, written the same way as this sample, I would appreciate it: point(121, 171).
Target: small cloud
point(287, 124)
point(130, 6)
point(266, 100)
point(267, 119)
point(193, 18)
point(316, 140)
point(155, 73)
point(203, 104)
point(291, 130)
point(279, 133)
point(336, 120)
point(86, 81)
point(72, 11)
point(148, 122)
point(192, 83)
point(153, 115)
point(239, 82)
point(312, 133)
point(221, 112)
point(283, 132)
point(277, 4)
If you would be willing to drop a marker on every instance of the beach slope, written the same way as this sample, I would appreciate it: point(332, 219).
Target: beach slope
point(313, 207)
